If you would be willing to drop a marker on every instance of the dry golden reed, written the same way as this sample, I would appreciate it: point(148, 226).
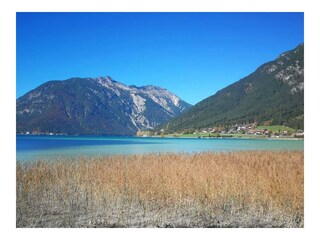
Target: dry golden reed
point(234, 189)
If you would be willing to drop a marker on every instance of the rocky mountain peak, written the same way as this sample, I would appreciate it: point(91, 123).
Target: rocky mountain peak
point(96, 106)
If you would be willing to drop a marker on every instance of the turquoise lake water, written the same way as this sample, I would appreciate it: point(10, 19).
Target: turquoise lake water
point(55, 147)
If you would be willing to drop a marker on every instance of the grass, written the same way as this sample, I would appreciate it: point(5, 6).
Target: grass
point(238, 189)
point(277, 128)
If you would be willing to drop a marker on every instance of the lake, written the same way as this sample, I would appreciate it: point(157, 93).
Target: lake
point(30, 147)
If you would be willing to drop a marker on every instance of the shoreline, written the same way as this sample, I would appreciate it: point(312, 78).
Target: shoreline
point(222, 137)
point(55, 147)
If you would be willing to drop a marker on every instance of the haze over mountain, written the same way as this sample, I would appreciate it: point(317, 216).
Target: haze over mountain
point(274, 93)
point(95, 106)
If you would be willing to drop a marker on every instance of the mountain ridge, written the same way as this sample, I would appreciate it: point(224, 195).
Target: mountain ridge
point(273, 93)
point(95, 106)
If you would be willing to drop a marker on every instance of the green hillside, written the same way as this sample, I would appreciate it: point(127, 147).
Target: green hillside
point(273, 93)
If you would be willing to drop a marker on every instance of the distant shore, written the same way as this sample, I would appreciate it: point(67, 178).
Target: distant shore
point(226, 136)
point(206, 136)
point(234, 189)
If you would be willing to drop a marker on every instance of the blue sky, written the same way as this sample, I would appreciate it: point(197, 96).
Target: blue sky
point(191, 54)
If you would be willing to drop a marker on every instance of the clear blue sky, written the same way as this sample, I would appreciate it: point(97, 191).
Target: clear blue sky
point(191, 54)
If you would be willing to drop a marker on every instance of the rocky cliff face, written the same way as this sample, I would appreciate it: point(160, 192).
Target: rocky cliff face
point(289, 69)
point(95, 106)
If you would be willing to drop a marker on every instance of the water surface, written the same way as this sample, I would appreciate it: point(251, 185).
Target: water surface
point(54, 147)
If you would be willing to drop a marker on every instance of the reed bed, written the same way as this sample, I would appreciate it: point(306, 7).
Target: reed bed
point(234, 189)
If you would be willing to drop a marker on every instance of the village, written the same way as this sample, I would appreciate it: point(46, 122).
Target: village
point(237, 130)
point(254, 129)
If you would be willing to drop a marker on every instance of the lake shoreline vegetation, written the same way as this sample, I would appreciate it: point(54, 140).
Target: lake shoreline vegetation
point(234, 189)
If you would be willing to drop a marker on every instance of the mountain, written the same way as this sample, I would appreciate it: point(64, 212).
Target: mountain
point(274, 93)
point(95, 106)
